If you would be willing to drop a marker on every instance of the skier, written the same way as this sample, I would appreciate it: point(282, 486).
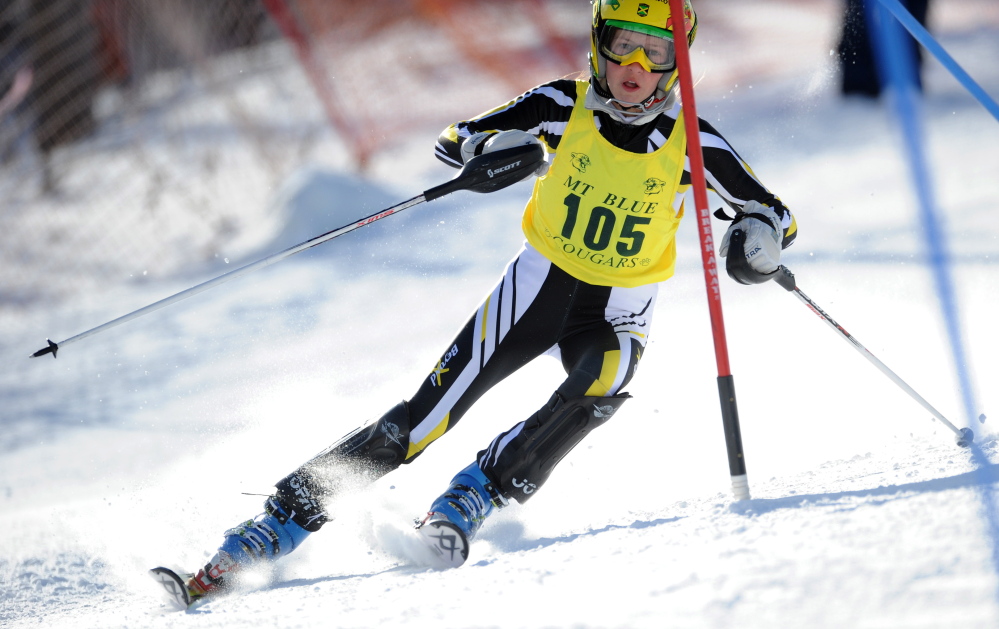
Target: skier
point(600, 228)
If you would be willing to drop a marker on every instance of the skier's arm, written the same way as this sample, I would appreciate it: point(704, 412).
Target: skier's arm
point(542, 112)
point(733, 180)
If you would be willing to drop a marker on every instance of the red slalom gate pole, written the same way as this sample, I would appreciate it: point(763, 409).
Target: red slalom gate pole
point(726, 384)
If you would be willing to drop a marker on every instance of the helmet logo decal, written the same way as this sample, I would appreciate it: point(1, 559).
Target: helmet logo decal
point(614, 4)
point(643, 10)
point(580, 161)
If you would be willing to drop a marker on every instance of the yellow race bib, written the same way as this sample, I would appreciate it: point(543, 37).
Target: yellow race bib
point(603, 214)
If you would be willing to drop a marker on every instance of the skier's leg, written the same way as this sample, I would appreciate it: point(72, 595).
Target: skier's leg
point(364, 455)
point(522, 459)
point(602, 343)
point(296, 509)
point(600, 354)
point(519, 460)
point(518, 321)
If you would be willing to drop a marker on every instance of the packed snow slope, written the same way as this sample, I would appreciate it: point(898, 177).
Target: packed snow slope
point(135, 447)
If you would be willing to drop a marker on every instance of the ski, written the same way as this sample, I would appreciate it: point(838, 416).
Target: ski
point(175, 586)
point(447, 542)
point(438, 544)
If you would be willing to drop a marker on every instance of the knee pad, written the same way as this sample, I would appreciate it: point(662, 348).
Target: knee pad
point(550, 435)
point(367, 454)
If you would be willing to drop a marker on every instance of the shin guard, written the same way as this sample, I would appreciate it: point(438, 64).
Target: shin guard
point(527, 461)
point(366, 454)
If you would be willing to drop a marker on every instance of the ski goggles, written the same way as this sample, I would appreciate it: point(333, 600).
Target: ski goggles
point(627, 42)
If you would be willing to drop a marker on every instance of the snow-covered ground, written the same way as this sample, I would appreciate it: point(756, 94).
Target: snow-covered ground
point(135, 447)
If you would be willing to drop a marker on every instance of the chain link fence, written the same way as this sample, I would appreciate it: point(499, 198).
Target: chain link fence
point(137, 136)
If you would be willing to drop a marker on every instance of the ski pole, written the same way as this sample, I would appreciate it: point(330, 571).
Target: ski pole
point(786, 280)
point(484, 173)
point(698, 181)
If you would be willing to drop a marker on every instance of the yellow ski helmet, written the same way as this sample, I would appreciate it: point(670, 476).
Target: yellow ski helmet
point(653, 22)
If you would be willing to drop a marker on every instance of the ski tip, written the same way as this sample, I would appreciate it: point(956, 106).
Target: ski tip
point(174, 585)
point(447, 541)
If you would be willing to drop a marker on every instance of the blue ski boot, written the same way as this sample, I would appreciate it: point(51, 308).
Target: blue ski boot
point(457, 514)
point(266, 537)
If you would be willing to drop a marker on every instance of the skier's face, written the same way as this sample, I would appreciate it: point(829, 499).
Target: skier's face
point(631, 83)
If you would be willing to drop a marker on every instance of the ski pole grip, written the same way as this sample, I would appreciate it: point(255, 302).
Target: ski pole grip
point(492, 171)
point(785, 278)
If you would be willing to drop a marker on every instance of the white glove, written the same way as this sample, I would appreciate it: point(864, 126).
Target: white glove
point(488, 141)
point(763, 237)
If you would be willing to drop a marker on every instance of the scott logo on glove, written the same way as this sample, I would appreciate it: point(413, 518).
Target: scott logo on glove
point(493, 173)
